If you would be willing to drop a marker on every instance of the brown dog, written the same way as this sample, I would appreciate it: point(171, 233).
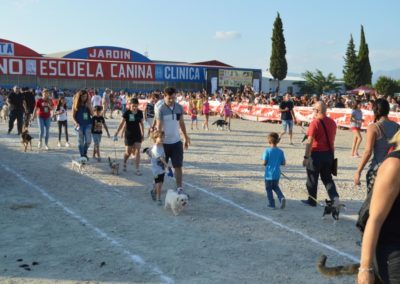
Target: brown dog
point(26, 139)
point(114, 166)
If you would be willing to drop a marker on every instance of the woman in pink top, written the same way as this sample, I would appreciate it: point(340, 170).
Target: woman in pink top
point(227, 112)
point(206, 111)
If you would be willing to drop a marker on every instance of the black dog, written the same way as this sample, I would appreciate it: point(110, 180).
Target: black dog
point(329, 208)
point(26, 139)
point(220, 123)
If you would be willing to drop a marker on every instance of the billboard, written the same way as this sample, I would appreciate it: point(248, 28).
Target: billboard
point(234, 78)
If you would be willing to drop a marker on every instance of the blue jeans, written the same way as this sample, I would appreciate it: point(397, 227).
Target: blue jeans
point(44, 124)
point(84, 139)
point(287, 125)
point(273, 185)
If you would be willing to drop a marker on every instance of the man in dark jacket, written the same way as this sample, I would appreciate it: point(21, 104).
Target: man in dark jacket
point(15, 102)
point(29, 105)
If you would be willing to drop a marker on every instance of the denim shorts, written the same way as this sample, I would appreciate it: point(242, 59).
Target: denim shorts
point(287, 125)
point(96, 138)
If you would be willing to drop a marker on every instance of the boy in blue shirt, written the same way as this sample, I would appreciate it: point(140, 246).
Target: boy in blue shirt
point(273, 158)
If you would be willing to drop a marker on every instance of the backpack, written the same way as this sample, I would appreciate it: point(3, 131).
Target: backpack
point(363, 214)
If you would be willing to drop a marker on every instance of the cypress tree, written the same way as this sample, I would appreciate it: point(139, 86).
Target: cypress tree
point(365, 73)
point(278, 64)
point(350, 69)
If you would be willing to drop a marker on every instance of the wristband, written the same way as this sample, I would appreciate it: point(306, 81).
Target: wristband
point(369, 269)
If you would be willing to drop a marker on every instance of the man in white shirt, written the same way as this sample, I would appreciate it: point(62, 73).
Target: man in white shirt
point(169, 118)
point(96, 100)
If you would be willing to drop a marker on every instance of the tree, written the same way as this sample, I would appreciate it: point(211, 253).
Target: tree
point(278, 65)
point(350, 69)
point(318, 83)
point(386, 86)
point(365, 73)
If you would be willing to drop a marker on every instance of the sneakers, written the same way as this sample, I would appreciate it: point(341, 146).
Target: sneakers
point(39, 145)
point(67, 144)
point(272, 207)
point(46, 147)
point(59, 144)
point(138, 172)
point(283, 203)
point(159, 202)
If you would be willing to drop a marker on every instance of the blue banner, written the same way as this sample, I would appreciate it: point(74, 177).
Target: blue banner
point(180, 73)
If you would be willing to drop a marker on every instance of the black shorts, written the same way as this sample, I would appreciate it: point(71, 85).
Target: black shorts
point(159, 178)
point(130, 141)
point(175, 152)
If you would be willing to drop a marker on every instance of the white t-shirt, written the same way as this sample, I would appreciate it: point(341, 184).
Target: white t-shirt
point(96, 100)
point(157, 167)
point(170, 117)
point(62, 116)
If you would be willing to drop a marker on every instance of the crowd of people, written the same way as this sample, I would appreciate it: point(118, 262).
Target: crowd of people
point(164, 117)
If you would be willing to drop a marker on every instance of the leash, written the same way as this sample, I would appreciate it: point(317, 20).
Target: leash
point(321, 203)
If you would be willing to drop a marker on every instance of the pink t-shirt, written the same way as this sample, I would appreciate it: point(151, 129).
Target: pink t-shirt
point(206, 107)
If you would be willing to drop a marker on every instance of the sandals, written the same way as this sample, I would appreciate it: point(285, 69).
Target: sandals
point(138, 172)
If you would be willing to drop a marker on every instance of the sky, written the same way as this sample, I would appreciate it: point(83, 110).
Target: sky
point(235, 32)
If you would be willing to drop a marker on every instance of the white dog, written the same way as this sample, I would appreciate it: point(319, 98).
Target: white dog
point(175, 201)
point(79, 164)
point(4, 113)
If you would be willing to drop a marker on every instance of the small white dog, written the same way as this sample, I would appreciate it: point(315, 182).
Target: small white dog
point(175, 201)
point(4, 113)
point(79, 164)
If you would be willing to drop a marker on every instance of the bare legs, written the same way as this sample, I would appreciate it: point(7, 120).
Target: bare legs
point(356, 143)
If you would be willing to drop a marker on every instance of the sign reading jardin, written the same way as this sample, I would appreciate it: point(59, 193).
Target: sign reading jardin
point(109, 54)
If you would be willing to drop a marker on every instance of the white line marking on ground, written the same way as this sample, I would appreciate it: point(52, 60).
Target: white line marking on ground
point(136, 259)
point(282, 226)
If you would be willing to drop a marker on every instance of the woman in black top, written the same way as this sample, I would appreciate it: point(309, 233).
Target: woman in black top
point(132, 121)
point(380, 252)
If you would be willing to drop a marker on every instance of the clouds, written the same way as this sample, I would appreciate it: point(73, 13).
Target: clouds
point(229, 35)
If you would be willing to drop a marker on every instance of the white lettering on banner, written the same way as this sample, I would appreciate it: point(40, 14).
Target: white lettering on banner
point(112, 70)
point(80, 69)
point(131, 71)
point(115, 54)
point(181, 73)
point(99, 71)
point(6, 48)
point(71, 69)
point(60, 73)
point(11, 66)
point(52, 67)
point(4, 67)
point(42, 66)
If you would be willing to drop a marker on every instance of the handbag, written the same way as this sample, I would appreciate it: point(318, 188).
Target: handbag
point(335, 160)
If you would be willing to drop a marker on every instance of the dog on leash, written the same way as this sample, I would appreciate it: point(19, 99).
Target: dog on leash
point(79, 164)
point(4, 113)
point(26, 139)
point(220, 124)
point(114, 166)
point(177, 202)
